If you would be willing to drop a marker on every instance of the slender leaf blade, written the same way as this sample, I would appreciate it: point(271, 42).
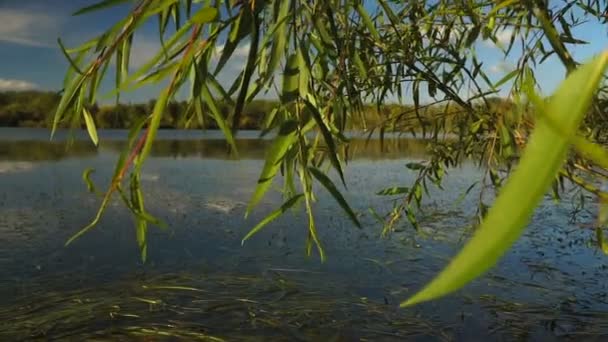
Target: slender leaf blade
point(272, 216)
point(331, 188)
point(540, 163)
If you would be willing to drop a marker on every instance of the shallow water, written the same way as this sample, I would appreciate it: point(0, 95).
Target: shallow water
point(200, 283)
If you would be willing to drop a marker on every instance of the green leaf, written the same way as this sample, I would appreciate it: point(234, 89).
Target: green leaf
point(73, 64)
point(157, 114)
point(133, 134)
point(272, 216)
point(601, 241)
point(506, 78)
point(279, 36)
point(204, 15)
point(414, 166)
point(248, 72)
point(368, 21)
point(88, 120)
point(291, 80)
point(68, 98)
point(141, 225)
point(86, 177)
point(217, 116)
point(540, 163)
point(283, 141)
point(331, 145)
point(239, 30)
point(396, 190)
point(502, 5)
point(169, 45)
point(329, 185)
point(99, 6)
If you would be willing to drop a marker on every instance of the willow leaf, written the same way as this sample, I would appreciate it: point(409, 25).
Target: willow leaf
point(396, 190)
point(86, 177)
point(91, 129)
point(291, 80)
point(99, 6)
point(329, 185)
point(249, 69)
point(102, 208)
point(141, 225)
point(157, 114)
point(73, 64)
point(272, 216)
point(279, 39)
point(540, 163)
point(329, 140)
point(506, 78)
point(240, 28)
point(204, 15)
point(368, 22)
point(284, 140)
point(67, 99)
point(217, 116)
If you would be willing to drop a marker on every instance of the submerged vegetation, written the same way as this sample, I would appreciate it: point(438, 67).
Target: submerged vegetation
point(327, 60)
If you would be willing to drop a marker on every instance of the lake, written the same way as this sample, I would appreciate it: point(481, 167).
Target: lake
point(200, 283)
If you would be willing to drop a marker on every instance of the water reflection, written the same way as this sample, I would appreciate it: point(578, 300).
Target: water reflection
point(36, 150)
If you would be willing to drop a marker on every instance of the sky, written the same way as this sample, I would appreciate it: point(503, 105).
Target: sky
point(30, 57)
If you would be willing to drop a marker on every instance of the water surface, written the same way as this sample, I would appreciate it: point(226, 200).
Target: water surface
point(199, 282)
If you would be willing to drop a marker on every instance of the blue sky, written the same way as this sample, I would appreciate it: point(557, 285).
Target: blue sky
point(30, 57)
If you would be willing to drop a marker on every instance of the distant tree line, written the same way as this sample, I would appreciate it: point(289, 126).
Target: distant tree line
point(35, 109)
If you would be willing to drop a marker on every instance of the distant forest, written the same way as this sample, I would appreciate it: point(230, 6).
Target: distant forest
point(35, 109)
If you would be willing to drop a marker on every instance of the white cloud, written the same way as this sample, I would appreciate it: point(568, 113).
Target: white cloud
point(239, 52)
point(27, 27)
point(7, 84)
point(144, 48)
point(501, 68)
point(503, 38)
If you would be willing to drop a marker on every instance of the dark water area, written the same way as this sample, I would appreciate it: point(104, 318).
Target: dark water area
point(200, 283)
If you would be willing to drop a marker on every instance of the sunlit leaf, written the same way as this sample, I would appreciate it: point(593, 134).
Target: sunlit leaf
point(396, 190)
point(88, 120)
point(539, 164)
point(204, 15)
point(283, 141)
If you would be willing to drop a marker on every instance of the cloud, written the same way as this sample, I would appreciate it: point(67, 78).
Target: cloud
point(503, 38)
point(501, 68)
point(239, 52)
point(27, 27)
point(144, 48)
point(6, 84)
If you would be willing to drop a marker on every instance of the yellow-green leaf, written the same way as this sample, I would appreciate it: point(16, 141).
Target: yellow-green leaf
point(88, 120)
point(291, 80)
point(284, 140)
point(204, 15)
point(540, 162)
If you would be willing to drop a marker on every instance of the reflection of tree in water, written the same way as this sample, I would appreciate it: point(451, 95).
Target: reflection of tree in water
point(205, 148)
point(255, 148)
point(44, 150)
